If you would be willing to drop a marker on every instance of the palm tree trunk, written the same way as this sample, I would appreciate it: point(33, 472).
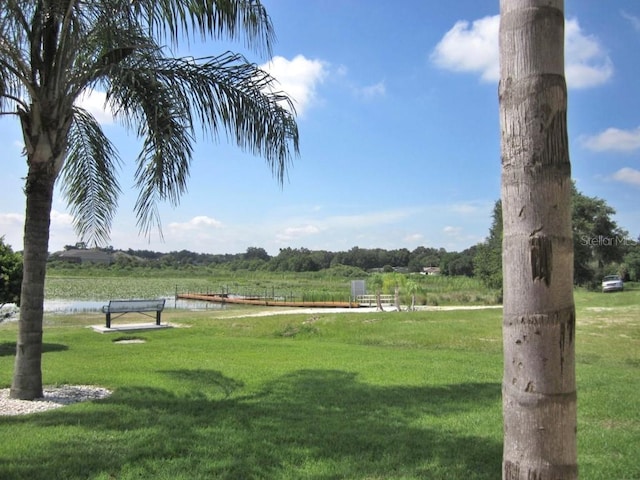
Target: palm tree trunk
point(27, 377)
point(396, 298)
point(378, 302)
point(539, 387)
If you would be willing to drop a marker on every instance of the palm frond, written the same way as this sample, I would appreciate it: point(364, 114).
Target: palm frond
point(233, 19)
point(115, 45)
point(229, 94)
point(89, 178)
point(162, 119)
point(15, 68)
point(166, 98)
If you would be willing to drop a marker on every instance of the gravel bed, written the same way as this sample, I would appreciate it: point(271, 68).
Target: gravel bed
point(54, 397)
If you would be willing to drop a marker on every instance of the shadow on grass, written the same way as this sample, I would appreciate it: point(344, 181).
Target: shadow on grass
point(211, 379)
point(316, 424)
point(8, 349)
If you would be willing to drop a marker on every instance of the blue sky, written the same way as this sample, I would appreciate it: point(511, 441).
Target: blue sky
point(398, 116)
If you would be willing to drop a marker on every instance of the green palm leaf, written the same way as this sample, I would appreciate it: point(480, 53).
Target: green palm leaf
point(89, 178)
point(166, 98)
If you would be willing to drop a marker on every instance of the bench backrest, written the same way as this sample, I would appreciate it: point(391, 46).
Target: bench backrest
point(123, 306)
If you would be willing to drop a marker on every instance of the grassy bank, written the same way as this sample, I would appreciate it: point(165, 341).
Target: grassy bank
point(389, 395)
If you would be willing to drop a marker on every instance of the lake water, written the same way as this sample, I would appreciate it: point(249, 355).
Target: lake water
point(79, 306)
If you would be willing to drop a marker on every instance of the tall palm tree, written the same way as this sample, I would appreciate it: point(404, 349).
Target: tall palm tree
point(539, 384)
point(54, 51)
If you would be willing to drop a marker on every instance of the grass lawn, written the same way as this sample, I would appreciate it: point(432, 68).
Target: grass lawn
point(411, 395)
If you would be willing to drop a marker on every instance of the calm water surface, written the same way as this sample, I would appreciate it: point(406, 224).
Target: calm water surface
point(78, 306)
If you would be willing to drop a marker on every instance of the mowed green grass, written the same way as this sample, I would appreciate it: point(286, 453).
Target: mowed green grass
point(388, 395)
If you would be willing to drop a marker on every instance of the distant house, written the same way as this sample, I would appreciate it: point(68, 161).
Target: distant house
point(389, 269)
point(90, 255)
point(431, 271)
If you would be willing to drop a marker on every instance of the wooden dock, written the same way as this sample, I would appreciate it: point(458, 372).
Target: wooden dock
point(266, 302)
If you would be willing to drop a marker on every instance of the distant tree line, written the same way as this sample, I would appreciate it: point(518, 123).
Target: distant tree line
point(301, 259)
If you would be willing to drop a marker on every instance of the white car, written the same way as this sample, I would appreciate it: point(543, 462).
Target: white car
point(612, 283)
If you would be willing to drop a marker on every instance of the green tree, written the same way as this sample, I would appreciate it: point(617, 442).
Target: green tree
point(377, 282)
point(539, 381)
point(459, 263)
point(256, 253)
point(597, 239)
point(425, 257)
point(487, 262)
point(632, 260)
point(294, 260)
point(322, 258)
point(412, 289)
point(10, 274)
point(598, 242)
point(54, 51)
point(392, 282)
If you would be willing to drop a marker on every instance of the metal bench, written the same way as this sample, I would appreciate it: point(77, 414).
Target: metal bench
point(123, 307)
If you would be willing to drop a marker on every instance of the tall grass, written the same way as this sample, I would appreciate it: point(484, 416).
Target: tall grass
point(386, 395)
point(458, 290)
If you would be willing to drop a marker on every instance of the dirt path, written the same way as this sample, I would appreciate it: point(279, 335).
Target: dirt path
point(287, 311)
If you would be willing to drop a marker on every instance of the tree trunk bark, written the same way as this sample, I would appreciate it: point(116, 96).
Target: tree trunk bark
point(539, 388)
point(27, 377)
point(378, 302)
point(396, 298)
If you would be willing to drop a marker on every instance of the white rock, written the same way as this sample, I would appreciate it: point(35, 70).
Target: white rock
point(54, 397)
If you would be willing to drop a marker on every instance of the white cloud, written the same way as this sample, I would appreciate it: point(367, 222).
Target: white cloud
point(294, 233)
point(472, 47)
point(449, 230)
point(11, 219)
point(62, 232)
point(414, 238)
point(61, 219)
point(634, 20)
point(298, 78)
point(11, 227)
point(341, 71)
point(587, 63)
point(201, 222)
point(628, 175)
point(372, 91)
point(341, 225)
point(613, 139)
point(94, 102)
point(457, 238)
point(370, 219)
point(200, 233)
point(470, 208)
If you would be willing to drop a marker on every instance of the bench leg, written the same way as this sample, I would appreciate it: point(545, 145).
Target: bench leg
point(158, 318)
point(108, 320)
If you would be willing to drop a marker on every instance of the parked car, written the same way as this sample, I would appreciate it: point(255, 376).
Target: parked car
point(612, 283)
